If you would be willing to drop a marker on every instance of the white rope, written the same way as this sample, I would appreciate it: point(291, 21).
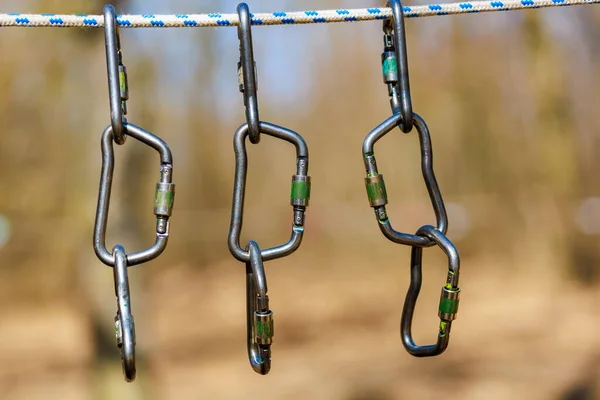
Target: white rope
point(278, 18)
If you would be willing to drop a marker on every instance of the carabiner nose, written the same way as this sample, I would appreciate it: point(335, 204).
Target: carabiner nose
point(449, 299)
point(259, 319)
point(395, 65)
point(124, 325)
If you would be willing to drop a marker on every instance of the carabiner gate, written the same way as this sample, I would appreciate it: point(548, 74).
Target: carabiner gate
point(124, 325)
point(375, 185)
point(448, 301)
point(259, 319)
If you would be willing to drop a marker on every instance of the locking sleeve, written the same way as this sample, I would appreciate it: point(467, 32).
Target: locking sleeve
point(163, 199)
point(376, 190)
point(263, 327)
point(449, 303)
point(300, 195)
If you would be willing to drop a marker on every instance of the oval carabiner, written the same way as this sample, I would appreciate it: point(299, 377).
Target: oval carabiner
point(376, 187)
point(300, 194)
point(449, 299)
point(259, 319)
point(163, 197)
point(124, 324)
point(394, 61)
point(247, 75)
point(117, 75)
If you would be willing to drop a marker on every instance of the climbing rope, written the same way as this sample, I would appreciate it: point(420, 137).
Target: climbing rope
point(277, 18)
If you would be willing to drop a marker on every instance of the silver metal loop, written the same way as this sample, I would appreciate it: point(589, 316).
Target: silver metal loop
point(400, 90)
point(239, 192)
point(248, 68)
point(448, 301)
point(125, 327)
point(113, 61)
point(428, 175)
point(258, 315)
point(108, 162)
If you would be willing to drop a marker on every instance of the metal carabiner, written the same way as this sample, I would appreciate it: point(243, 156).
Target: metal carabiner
point(394, 61)
point(163, 197)
point(259, 319)
point(247, 76)
point(124, 324)
point(449, 299)
point(300, 194)
point(117, 75)
point(376, 186)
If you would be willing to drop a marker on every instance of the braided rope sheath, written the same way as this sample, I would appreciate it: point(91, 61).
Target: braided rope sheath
point(277, 18)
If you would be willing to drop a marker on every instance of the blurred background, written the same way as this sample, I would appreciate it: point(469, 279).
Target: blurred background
point(512, 103)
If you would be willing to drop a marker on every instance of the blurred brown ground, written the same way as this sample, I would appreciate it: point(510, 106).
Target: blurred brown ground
point(511, 100)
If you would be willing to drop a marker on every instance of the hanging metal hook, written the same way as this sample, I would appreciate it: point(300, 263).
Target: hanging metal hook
point(124, 325)
point(117, 75)
point(395, 65)
point(375, 185)
point(449, 298)
point(247, 76)
point(259, 319)
point(299, 199)
point(163, 196)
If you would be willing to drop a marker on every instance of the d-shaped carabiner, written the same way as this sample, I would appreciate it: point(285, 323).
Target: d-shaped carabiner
point(117, 75)
point(124, 325)
point(259, 319)
point(395, 65)
point(247, 75)
point(163, 197)
point(376, 186)
point(300, 194)
point(448, 302)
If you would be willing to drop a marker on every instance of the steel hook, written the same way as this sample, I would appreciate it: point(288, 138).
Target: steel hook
point(449, 299)
point(395, 65)
point(375, 185)
point(117, 75)
point(259, 319)
point(247, 76)
point(124, 324)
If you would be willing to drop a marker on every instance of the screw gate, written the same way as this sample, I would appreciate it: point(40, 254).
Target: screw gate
point(259, 319)
point(247, 75)
point(124, 325)
point(117, 75)
point(377, 193)
point(448, 301)
point(395, 65)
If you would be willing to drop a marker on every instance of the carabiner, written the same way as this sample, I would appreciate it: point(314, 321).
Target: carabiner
point(124, 324)
point(163, 197)
point(259, 319)
point(117, 75)
point(247, 76)
point(448, 301)
point(376, 187)
point(394, 61)
point(300, 193)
